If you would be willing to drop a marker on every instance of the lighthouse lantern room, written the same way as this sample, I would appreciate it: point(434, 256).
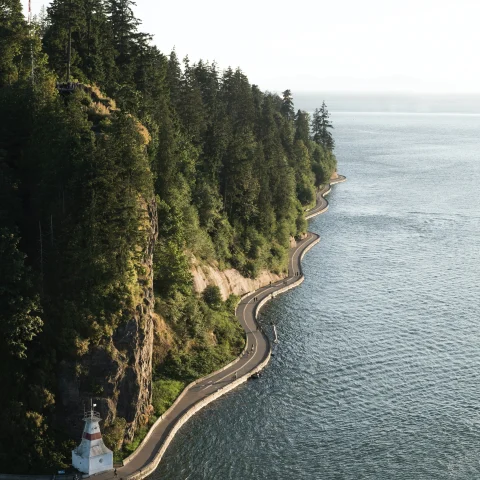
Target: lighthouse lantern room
point(92, 456)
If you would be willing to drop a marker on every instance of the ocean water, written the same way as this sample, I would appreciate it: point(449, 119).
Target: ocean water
point(377, 374)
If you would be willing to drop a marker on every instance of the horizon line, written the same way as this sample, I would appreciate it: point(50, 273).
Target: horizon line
point(381, 93)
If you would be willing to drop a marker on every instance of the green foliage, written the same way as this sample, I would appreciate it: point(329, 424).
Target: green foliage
point(13, 42)
point(320, 128)
point(302, 127)
point(212, 296)
point(207, 338)
point(303, 175)
point(129, 448)
point(113, 434)
point(164, 393)
point(324, 164)
point(231, 303)
point(19, 305)
point(226, 168)
point(287, 109)
point(29, 447)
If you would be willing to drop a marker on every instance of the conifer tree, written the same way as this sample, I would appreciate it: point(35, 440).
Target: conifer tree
point(302, 126)
point(14, 43)
point(287, 109)
point(227, 168)
point(320, 128)
point(174, 78)
point(190, 105)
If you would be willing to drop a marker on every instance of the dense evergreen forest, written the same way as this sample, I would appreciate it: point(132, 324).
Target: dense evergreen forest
point(109, 186)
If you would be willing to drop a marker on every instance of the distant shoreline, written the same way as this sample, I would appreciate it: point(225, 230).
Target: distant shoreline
point(394, 103)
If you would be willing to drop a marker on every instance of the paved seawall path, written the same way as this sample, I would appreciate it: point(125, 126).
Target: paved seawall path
point(254, 358)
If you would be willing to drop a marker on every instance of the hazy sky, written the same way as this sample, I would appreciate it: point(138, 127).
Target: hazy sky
point(337, 45)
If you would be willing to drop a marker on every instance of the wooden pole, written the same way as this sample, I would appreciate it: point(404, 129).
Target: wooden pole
point(31, 39)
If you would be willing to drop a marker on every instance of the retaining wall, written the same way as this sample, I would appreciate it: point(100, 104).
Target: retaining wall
point(151, 467)
point(184, 392)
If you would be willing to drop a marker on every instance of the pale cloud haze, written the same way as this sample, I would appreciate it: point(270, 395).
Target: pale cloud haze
point(342, 45)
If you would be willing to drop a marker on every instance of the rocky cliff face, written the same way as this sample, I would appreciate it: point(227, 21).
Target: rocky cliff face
point(116, 373)
point(228, 281)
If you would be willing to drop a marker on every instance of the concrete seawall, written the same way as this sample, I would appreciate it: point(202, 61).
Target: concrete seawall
point(150, 468)
point(173, 420)
point(153, 464)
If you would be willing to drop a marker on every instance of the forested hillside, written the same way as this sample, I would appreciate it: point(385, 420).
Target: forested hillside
point(115, 169)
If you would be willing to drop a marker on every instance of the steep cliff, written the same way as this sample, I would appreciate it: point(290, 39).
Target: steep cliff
point(117, 372)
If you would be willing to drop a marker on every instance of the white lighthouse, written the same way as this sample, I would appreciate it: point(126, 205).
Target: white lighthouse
point(92, 456)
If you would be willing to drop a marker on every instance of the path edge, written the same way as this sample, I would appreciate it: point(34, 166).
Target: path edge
point(152, 466)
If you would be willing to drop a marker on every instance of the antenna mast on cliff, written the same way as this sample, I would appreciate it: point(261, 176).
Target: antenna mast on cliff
point(31, 38)
point(69, 46)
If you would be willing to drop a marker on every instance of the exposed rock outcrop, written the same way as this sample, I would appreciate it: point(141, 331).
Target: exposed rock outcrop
point(117, 372)
point(228, 281)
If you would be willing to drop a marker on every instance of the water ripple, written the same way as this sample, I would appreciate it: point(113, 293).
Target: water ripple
point(377, 372)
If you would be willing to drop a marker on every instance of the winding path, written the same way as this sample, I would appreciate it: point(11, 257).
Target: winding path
point(254, 357)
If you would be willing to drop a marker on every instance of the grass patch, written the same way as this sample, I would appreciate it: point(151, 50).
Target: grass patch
point(129, 448)
point(164, 393)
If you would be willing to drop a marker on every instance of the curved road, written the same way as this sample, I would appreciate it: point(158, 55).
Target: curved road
point(256, 351)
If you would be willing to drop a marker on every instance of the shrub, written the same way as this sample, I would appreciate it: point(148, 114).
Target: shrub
point(114, 433)
point(164, 393)
point(212, 296)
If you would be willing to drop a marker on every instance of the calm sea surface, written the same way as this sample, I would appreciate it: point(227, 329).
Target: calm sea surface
point(377, 375)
